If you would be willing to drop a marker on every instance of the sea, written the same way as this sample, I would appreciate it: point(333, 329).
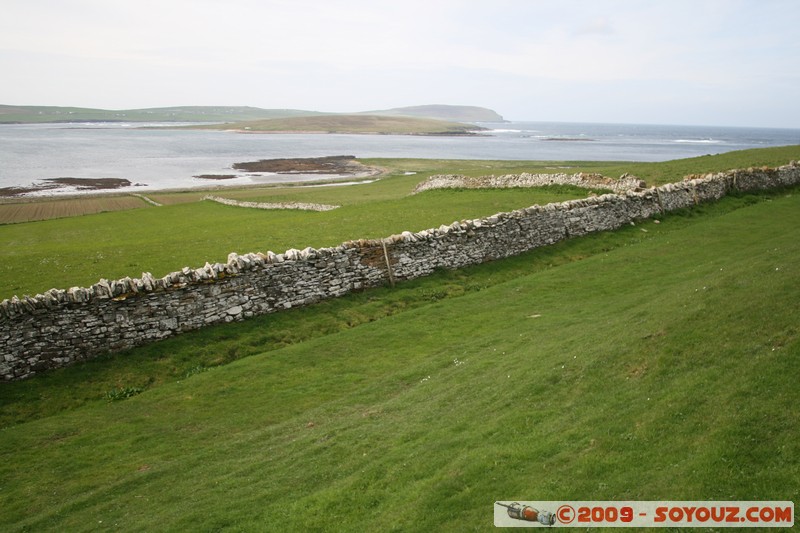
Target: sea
point(153, 157)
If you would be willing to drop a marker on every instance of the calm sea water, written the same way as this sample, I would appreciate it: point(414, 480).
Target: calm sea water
point(156, 159)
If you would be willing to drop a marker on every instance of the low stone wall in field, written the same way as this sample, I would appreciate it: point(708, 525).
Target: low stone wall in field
point(63, 326)
point(587, 181)
point(303, 206)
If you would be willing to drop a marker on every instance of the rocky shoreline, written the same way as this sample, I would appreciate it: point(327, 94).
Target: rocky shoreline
point(334, 166)
point(81, 184)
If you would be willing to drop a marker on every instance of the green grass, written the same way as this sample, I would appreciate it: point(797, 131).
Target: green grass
point(197, 351)
point(644, 365)
point(78, 251)
point(38, 256)
point(653, 173)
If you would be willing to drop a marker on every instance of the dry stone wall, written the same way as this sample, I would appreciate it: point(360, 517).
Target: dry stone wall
point(63, 326)
point(587, 181)
point(272, 205)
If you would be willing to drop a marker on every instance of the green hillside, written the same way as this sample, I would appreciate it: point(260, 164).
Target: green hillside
point(41, 114)
point(656, 362)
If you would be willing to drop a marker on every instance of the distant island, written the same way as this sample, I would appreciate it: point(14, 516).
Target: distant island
point(457, 113)
point(359, 124)
point(414, 120)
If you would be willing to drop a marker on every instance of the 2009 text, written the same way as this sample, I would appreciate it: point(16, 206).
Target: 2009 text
point(648, 513)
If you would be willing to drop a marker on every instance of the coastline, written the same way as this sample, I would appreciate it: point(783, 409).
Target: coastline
point(335, 168)
point(477, 132)
point(166, 159)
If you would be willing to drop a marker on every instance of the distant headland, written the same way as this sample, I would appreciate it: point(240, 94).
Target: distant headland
point(414, 120)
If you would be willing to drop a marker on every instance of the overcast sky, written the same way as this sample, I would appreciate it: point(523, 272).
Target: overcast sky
point(706, 62)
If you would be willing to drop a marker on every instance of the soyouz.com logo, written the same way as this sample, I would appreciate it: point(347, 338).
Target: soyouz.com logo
point(748, 514)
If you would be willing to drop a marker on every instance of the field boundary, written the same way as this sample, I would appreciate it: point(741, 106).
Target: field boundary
point(147, 199)
point(272, 205)
point(60, 327)
point(624, 183)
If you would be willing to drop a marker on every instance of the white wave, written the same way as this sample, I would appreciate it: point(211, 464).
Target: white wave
point(697, 141)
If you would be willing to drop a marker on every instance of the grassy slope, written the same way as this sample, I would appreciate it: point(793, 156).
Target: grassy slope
point(660, 366)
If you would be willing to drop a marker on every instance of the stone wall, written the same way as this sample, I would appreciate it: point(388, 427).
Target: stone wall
point(272, 205)
point(587, 181)
point(63, 326)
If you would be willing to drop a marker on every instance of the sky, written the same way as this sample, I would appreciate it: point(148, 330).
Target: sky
point(698, 62)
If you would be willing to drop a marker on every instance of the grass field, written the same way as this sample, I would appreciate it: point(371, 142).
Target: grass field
point(81, 250)
point(646, 365)
point(652, 363)
point(30, 211)
point(188, 232)
point(13, 211)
